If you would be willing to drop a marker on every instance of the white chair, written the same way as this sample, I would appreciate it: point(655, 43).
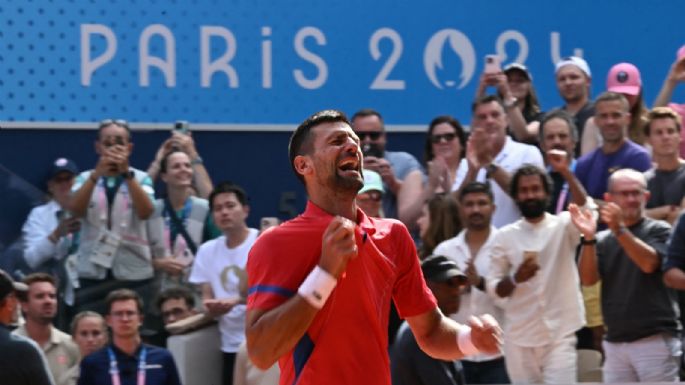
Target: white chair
point(198, 356)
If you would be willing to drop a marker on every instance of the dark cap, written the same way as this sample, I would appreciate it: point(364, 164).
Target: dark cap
point(438, 268)
point(518, 66)
point(62, 165)
point(8, 285)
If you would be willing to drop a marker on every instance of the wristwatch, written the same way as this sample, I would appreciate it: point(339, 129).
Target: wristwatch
point(491, 169)
point(128, 175)
point(584, 241)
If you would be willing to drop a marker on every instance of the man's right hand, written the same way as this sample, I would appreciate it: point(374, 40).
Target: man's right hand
point(66, 226)
point(338, 246)
point(526, 271)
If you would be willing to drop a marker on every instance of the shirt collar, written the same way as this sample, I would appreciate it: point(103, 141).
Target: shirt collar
point(363, 221)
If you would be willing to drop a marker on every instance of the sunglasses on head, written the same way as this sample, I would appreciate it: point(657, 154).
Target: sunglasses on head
point(437, 138)
point(118, 122)
point(374, 135)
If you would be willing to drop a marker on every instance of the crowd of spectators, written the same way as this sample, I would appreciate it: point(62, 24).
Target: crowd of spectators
point(556, 223)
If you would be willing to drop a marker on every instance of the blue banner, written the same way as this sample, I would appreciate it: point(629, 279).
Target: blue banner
point(275, 62)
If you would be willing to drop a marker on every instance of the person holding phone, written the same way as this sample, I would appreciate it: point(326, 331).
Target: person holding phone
point(182, 139)
point(675, 76)
point(514, 85)
point(533, 266)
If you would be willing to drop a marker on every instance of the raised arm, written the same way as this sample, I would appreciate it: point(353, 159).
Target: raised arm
point(587, 225)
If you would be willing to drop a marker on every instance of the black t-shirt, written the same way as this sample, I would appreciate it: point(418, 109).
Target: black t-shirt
point(21, 363)
point(666, 187)
point(635, 304)
point(580, 118)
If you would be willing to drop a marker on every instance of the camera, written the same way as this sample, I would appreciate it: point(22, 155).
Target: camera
point(182, 127)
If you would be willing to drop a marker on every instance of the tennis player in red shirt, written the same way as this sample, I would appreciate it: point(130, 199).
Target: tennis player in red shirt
point(320, 285)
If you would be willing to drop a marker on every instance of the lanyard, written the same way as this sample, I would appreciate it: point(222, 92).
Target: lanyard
point(114, 368)
point(563, 194)
point(171, 227)
point(104, 205)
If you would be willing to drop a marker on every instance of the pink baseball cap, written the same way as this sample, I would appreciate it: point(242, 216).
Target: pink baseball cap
point(624, 78)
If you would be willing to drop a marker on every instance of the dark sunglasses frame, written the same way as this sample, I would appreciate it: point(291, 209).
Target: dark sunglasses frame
point(437, 138)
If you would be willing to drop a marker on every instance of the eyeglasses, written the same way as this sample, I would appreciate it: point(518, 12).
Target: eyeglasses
point(176, 312)
point(437, 138)
point(373, 135)
point(118, 122)
point(372, 195)
point(124, 314)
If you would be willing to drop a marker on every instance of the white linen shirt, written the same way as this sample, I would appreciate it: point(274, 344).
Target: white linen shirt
point(549, 306)
point(476, 302)
point(512, 156)
point(38, 249)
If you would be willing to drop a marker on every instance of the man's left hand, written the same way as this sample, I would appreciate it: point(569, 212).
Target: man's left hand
point(558, 160)
point(486, 334)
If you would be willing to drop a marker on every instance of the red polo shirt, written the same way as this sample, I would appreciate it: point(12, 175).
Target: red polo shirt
point(347, 343)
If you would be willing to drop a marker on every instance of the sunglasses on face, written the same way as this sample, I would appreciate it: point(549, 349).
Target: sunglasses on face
point(446, 137)
point(374, 135)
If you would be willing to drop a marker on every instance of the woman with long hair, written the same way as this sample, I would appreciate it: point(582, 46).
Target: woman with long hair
point(439, 221)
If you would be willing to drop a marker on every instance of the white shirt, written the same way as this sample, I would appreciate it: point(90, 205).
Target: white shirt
point(224, 270)
point(549, 306)
point(512, 156)
point(476, 302)
point(38, 249)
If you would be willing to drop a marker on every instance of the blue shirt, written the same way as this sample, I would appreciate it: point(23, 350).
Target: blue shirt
point(402, 164)
point(160, 368)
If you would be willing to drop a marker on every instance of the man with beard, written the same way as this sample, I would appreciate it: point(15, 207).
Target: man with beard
point(640, 312)
point(39, 305)
point(573, 79)
point(470, 250)
point(533, 264)
point(612, 116)
point(334, 250)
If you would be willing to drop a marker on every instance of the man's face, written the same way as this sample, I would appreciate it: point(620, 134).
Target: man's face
point(175, 309)
point(41, 304)
point(228, 213)
point(493, 119)
point(476, 211)
point(447, 294)
point(630, 195)
point(612, 118)
point(557, 136)
point(370, 130)
point(664, 137)
point(336, 159)
point(370, 202)
point(112, 135)
point(531, 196)
point(124, 318)
point(572, 83)
point(60, 185)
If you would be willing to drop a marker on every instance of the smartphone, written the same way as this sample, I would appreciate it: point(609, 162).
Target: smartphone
point(268, 222)
point(492, 65)
point(182, 127)
point(372, 149)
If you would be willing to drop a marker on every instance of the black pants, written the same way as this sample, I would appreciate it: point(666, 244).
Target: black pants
point(229, 362)
point(485, 372)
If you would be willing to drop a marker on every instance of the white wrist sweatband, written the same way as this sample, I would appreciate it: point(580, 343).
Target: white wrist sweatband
point(464, 342)
point(317, 287)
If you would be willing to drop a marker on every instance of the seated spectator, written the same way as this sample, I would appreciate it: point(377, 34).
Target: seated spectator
point(219, 268)
point(401, 172)
point(184, 220)
point(409, 365)
point(21, 360)
point(49, 229)
point(515, 87)
point(201, 182)
point(175, 304)
point(439, 221)
point(573, 79)
point(126, 360)
point(470, 250)
point(39, 306)
point(624, 79)
point(492, 155)
point(89, 332)
point(370, 196)
point(593, 170)
point(675, 75)
point(642, 341)
point(114, 201)
point(666, 181)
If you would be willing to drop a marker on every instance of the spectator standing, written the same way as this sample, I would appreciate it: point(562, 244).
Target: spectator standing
point(439, 221)
point(640, 312)
point(573, 79)
point(675, 75)
point(39, 306)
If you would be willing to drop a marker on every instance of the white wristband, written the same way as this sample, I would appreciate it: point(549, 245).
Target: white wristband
point(317, 287)
point(512, 277)
point(464, 342)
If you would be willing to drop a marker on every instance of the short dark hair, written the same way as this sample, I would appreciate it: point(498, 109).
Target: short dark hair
point(364, 112)
point(177, 292)
point(301, 141)
point(527, 170)
point(458, 129)
point(228, 187)
point(476, 188)
point(32, 278)
point(117, 122)
point(559, 114)
point(609, 96)
point(123, 295)
point(165, 159)
point(486, 99)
